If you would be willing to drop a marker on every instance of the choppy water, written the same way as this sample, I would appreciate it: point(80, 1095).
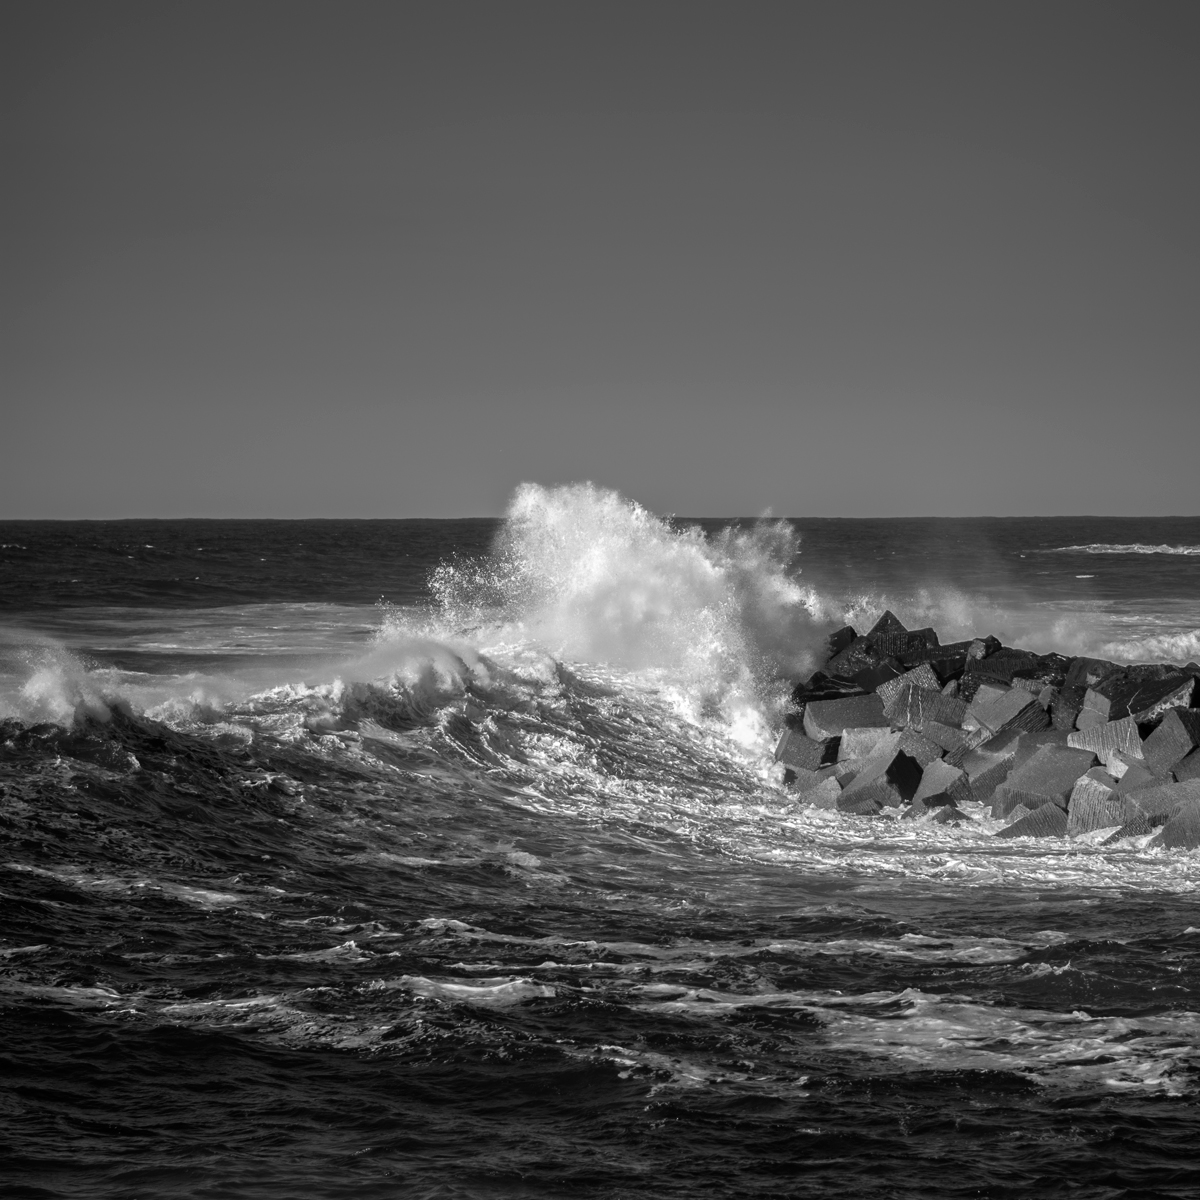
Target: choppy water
point(491, 889)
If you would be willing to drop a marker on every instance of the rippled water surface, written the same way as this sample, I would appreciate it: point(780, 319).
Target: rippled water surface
point(493, 890)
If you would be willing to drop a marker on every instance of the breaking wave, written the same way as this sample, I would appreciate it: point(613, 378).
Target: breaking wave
point(1129, 548)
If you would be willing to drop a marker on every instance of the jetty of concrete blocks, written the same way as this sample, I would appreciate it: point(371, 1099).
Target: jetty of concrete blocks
point(896, 722)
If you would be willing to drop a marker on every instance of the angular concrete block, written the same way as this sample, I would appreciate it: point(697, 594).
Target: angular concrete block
point(1065, 707)
point(795, 749)
point(1093, 808)
point(1083, 673)
point(1180, 697)
point(1014, 709)
point(1133, 778)
point(1177, 735)
point(1162, 799)
point(1047, 821)
point(872, 678)
point(987, 769)
point(955, 743)
point(824, 719)
point(943, 783)
point(1137, 826)
point(824, 795)
point(1182, 830)
point(920, 677)
point(1187, 768)
point(798, 780)
point(859, 655)
point(1112, 735)
point(840, 639)
point(859, 805)
point(913, 706)
point(1144, 692)
point(1048, 777)
point(923, 749)
point(927, 805)
point(859, 743)
point(889, 777)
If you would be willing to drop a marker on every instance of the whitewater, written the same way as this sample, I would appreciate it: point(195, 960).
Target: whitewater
point(451, 859)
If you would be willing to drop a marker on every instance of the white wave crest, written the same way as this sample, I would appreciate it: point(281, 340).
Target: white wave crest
point(1126, 548)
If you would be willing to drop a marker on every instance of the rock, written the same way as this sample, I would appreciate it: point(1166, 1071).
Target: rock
point(919, 677)
point(823, 687)
point(944, 784)
point(1112, 735)
point(1162, 799)
point(796, 750)
point(949, 662)
point(1083, 673)
point(1093, 805)
point(1137, 826)
point(1065, 707)
point(824, 719)
point(890, 639)
point(1047, 821)
point(840, 639)
point(914, 706)
point(1003, 664)
point(858, 656)
point(1133, 778)
point(987, 769)
point(824, 795)
point(800, 780)
point(859, 743)
point(1048, 777)
point(871, 678)
point(1182, 830)
point(1014, 709)
point(1188, 768)
point(889, 777)
point(1177, 735)
point(927, 805)
point(1143, 692)
point(923, 749)
point(955, 743)
point(864, 804)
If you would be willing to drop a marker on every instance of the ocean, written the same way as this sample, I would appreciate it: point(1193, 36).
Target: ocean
point(449, 859)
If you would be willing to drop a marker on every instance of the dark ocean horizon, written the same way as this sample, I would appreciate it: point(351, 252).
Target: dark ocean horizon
point(448, 858)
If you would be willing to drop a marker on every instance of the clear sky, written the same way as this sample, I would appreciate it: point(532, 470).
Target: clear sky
point(391, 259)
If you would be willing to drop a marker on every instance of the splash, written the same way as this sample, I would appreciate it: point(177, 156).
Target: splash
point(1123, 548)
point(592, 577)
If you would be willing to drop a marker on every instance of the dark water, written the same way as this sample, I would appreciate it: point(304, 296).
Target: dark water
point(491, 890)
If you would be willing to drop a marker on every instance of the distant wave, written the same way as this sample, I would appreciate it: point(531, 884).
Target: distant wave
point(1129, 548)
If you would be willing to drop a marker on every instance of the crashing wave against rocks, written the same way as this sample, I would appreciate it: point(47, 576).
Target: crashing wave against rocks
point(898, 723)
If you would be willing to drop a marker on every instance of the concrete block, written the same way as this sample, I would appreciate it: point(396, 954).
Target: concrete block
point(1047, 777)
point(1065, 707)
point(913, 706)
point(798, 780)
point(1093, 806)
point(1162, 799)
point(923, 749)
point(1003, 664)
point(1112, 735)
point(1187, 768)
point(821, 686)
point(824, 795)
point(795, 749)
point(859, 805)
point(889, 777)
point(942, 783)
point(888, 636)
point(840, 639)
point(1083, 673)
point(1144, 692)
point(859, 655)
point(859, 743)
point(1133, 778)
point(955, 743)
point(1137, 826)
point(1182, 830)
point(987, 769)
point(872, 678)
point(824, 719)
point(1177, 735)
point(1014, 709)
point(920, 677)
point(1047, 821)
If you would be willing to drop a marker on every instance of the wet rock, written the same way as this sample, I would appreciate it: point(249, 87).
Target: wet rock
point(863, 804)
point(1047, 821)
point(919, 677)
point(858, 656)
point(870, 679)
point(1177, 735)
point(987, 769)
point(823, 687)
point(1095, 805)
point(840, 639)
point(1014, 709)
point(889, 777)
point(1048, 777)
point(1002, 665)
point(824, 719)
point(861, 743)
point(1162, 799)
point(1143, 692)
point(1182, 830)
point(914, 706)
point(1066, 705)
point(1112, 735)
point(800, 780)
point(1083, 673)
point(943, 784)
point(797, 750)
point(1137, 826)
point(824, 795)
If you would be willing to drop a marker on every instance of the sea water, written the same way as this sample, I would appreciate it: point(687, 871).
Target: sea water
point(449, 859)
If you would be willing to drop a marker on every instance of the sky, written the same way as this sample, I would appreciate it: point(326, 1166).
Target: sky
point(392, 259)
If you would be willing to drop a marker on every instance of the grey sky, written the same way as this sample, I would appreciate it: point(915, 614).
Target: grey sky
point(391, 259)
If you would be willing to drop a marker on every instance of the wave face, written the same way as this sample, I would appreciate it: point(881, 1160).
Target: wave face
point(494, 888)
point(1134, 548)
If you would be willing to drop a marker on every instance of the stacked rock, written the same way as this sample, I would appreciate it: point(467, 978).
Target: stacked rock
point(1056, 747)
